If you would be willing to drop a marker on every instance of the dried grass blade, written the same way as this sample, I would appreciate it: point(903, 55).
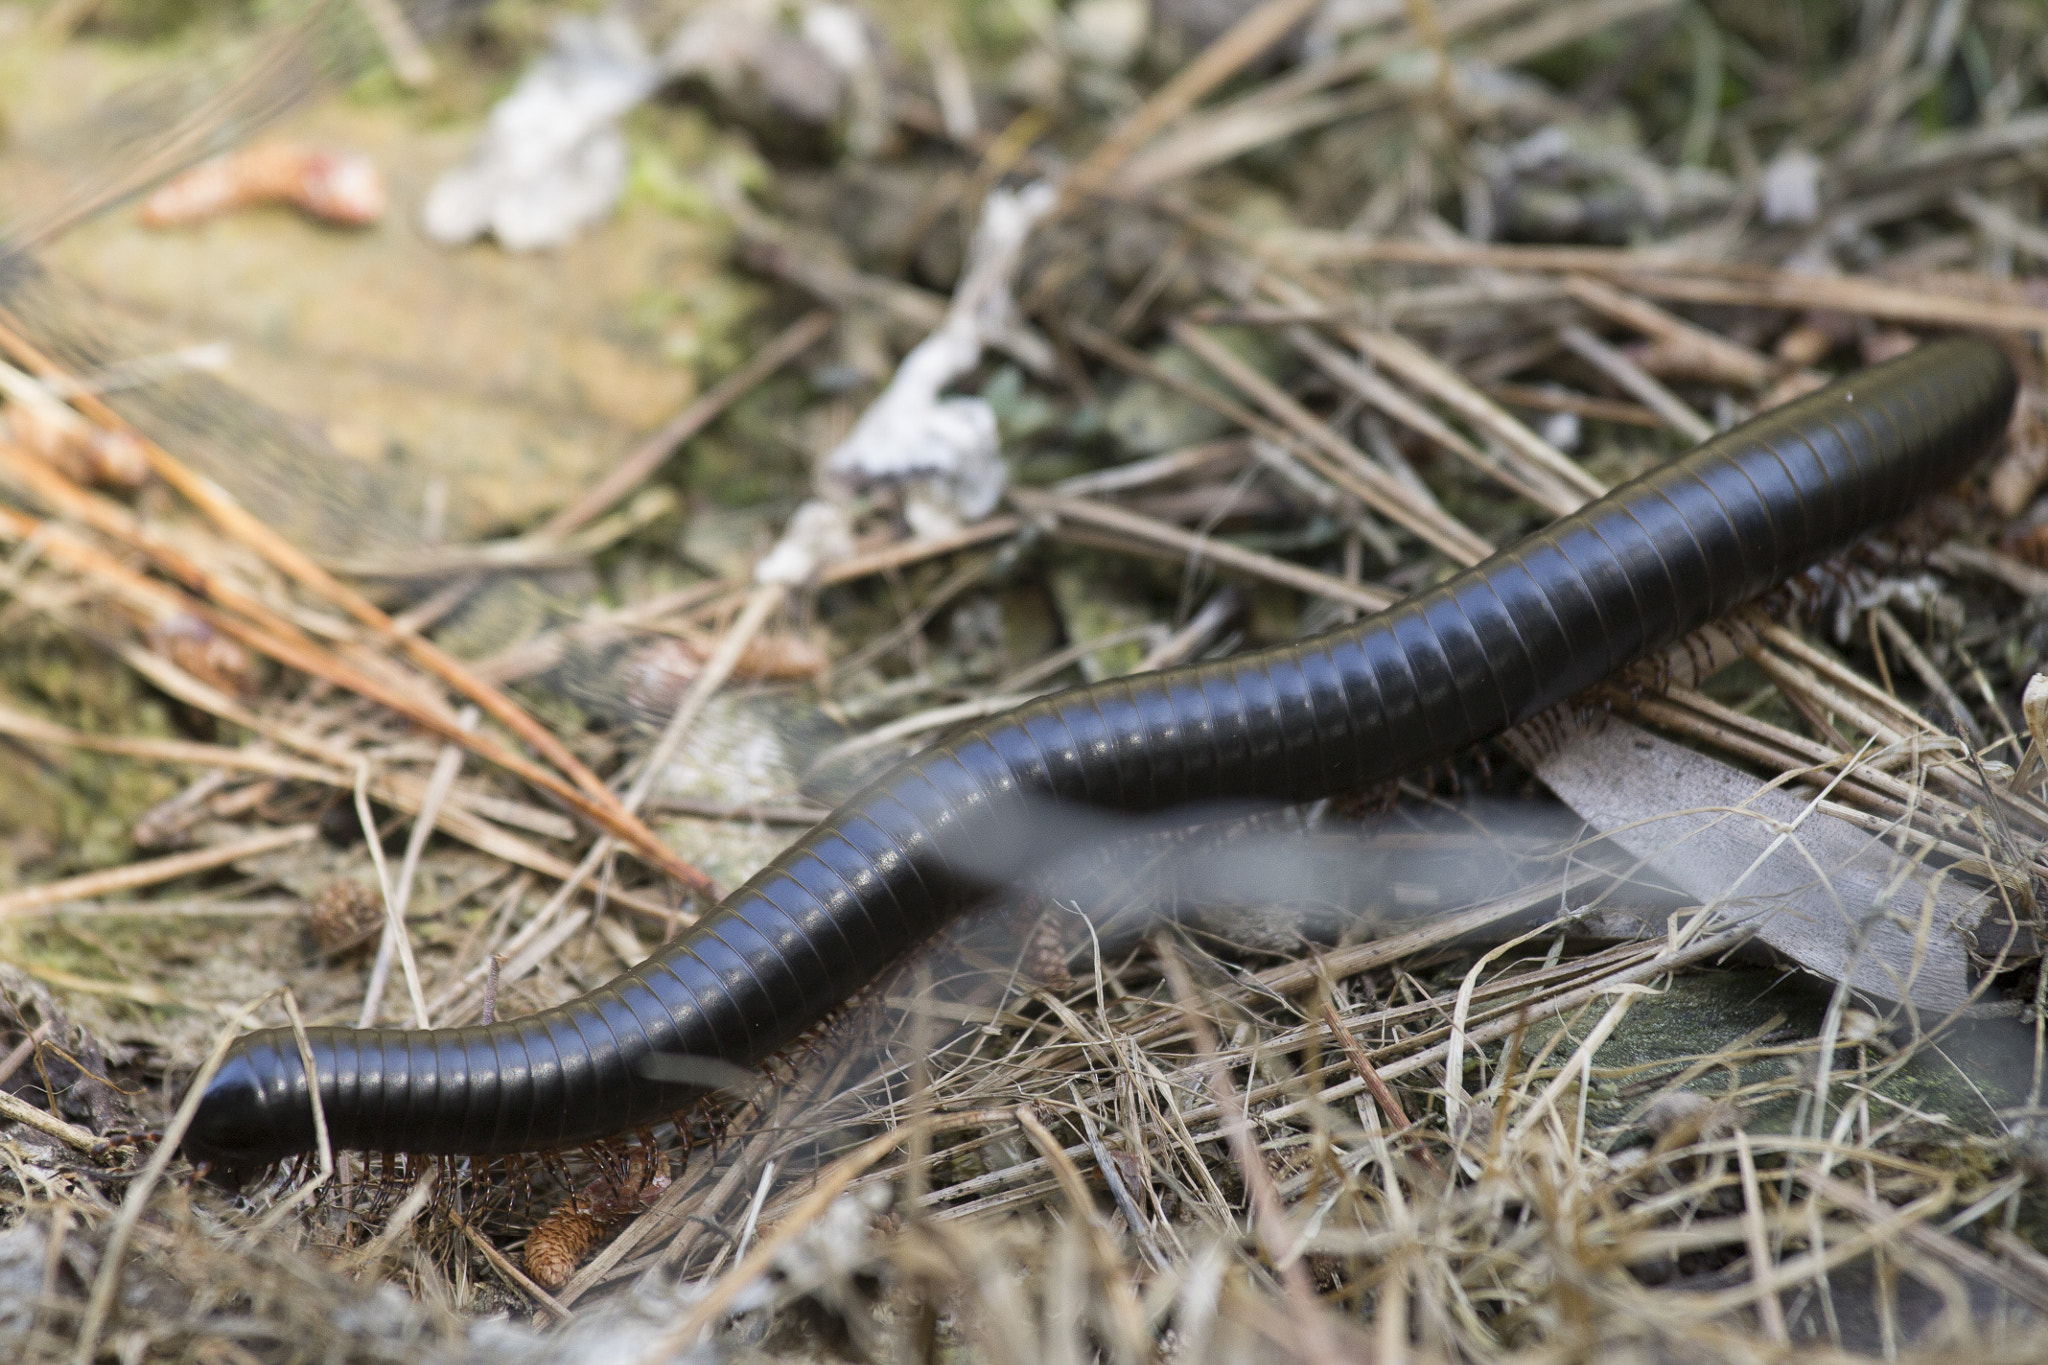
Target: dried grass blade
point(1199, 548)
point(154, 871)
point(233, 519)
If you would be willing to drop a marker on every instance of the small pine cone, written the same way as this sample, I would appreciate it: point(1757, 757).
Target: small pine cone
point(559, 1244)
point(344, 915)
point(1045, 954)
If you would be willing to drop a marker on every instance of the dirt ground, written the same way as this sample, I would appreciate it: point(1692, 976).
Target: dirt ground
point(325, 607)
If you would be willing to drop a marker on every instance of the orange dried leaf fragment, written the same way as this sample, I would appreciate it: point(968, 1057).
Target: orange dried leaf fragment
point(75, 448)
point(340, 187)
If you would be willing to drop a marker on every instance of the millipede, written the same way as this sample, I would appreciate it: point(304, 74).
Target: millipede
point(1496, 645)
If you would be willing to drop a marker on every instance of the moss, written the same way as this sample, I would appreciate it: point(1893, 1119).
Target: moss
point(748, 459)
point(68, 810)
point(1703, 1011)
point(152, 21)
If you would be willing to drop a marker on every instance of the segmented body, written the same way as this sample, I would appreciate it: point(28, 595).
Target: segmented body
point(1493, 646)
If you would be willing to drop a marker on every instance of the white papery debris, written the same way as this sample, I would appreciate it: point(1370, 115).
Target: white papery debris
point(828, 62)
point(942, 452)
point(1109, 33)
point(552, 160)
point(1791, 187)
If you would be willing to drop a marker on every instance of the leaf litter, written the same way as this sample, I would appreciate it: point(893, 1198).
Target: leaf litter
point(1312, 303)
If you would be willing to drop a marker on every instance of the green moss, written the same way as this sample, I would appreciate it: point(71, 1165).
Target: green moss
point(68, 810)
point(748, 459)
point(152, 21)
point(1702, 1012)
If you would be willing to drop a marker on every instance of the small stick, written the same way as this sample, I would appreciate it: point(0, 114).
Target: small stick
point(91, 885)
point(15, 1109)
point(514, 1276)
point(761, 604)
point(1585, 405)
point(718, 810)
point(1269, 1222)
point(400, 1220)
point(152, 599)
point(18, 725)
point(1221, 552)
point(321, 1143)
point(1191, 638)
point(1382, 1094)
point(409, 59)
point(1737, 364)
point(1760, 1264)
point(23, 1051)
point(1931, 1241)
point(754, 1210)
point(1425, 372)
point(2034, 706)
point(1243, 41)
point(1123, 1301)
point(1917, 660)
point(231, 517)
point(650, 454)
point(1636, 382)
point(1540, 488)
point(447, 766)
point(1380, 490)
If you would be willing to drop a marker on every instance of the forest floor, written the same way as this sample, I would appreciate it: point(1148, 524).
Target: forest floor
point(354, 575)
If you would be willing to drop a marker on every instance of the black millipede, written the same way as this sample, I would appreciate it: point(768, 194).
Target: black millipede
point(1489, 648)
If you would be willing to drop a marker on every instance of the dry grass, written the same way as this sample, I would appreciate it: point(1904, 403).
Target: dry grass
point(1567, 1115)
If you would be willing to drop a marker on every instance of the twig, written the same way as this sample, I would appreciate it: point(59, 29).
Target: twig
point(917, 550)
point(1224, 57)
point(650, 454)
point(153, 600)
point(409, 59)
point(1380, 490)
point(1930, 676)
point(1727, 361)
point(1560, 400)
point(1768, 1308)
point(1382, 1094)
point(23, 1050)
point(150, 872)
point(1689, 282)
point(1548, 493)
point(323, 1146)
point(1929, 1241)
point(1636, 383)
point(513, 1275)
point(15, 1109)
point(590, 792)
point(398, 895)
point(1123, 1300)
point(533, 551)
point(717, 810)
point(1199, 548)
